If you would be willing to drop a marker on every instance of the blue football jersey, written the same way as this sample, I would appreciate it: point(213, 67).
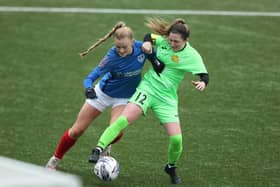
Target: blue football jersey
point(120, 75)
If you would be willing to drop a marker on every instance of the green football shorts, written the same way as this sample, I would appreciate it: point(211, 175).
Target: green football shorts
point(165, 109)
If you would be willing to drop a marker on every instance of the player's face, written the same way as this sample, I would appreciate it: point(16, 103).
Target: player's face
point(176, 42)
point(123, 46)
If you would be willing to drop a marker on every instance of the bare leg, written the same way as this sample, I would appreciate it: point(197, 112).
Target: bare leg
point(132, 112)
point(86, 115)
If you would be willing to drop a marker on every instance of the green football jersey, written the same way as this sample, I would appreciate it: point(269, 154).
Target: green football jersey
point(176, 65)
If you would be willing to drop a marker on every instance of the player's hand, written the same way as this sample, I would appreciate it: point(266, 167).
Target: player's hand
point(90, 93)
point(200, 85)
point(147, 47)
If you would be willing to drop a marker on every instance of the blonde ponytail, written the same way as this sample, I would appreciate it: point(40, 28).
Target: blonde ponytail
point(104, 38)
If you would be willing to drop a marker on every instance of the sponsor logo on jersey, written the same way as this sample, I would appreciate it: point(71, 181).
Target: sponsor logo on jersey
point(126, 74)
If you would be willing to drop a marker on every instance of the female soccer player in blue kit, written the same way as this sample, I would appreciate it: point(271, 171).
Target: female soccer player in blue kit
point(159, 91)
point(121, 71)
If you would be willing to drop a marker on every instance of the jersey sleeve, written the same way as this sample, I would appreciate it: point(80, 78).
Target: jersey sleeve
point(103, 67)
point(198, 65)
point(156, 39)
point(93, 76)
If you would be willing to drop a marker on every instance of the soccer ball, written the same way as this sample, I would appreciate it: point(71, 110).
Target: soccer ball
point(107, 168)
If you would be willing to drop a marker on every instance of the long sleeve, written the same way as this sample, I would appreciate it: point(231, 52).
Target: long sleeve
point(93, 76)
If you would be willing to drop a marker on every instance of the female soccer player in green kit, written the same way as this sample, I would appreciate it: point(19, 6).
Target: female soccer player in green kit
point(159, 91)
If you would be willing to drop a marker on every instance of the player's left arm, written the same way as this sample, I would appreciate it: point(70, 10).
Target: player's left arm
point(202, 83)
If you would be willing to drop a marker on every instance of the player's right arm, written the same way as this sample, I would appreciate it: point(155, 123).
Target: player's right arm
point(97, 72)
point(147, 48)
point(88, 83)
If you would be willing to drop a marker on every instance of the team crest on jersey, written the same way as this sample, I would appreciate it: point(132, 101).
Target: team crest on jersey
point(175, 58)
point(141, 58)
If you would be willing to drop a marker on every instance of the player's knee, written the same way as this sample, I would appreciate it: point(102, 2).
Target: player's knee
point(76, 132)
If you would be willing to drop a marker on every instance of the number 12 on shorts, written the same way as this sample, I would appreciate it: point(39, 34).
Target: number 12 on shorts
point(140, 98)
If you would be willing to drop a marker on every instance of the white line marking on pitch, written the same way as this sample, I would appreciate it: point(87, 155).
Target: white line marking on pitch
point(135, 11)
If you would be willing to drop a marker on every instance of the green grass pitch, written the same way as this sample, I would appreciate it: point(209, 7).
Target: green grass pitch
point(231, 132)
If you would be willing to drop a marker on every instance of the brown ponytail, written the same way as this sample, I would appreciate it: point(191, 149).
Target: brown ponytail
point(158, 25)
point(162, 27)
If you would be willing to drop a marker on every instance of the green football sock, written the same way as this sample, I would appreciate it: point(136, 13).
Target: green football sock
point(175, 148)
point(112, 132)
